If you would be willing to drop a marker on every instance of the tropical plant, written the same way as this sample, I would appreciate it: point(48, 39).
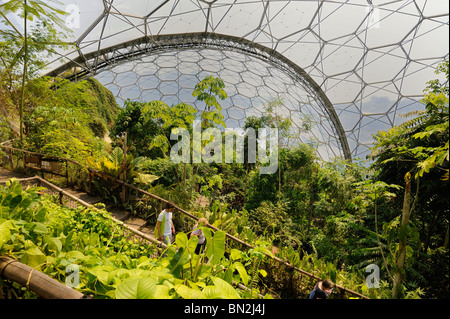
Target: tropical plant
point(208, 90)
point(129, 169)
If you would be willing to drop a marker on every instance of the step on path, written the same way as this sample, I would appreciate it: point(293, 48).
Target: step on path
point(83, 196)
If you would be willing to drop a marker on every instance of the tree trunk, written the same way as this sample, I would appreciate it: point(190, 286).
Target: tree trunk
point(124, 169)
point(446, 237)
point(406, 214)
point(25, 67)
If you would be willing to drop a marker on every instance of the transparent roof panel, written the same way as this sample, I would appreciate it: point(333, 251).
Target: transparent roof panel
point(349, 67)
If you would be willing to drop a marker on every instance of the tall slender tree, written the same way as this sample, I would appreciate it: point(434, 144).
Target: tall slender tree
point(46, 15)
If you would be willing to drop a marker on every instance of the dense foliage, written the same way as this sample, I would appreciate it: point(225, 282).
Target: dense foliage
point(109, 264)
point(329, 218)
point(420, 147)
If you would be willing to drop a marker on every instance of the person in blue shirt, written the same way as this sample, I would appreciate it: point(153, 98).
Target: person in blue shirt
point(322, 290)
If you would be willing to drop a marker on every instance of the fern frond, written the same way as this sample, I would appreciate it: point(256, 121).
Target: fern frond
point(413, 113)
point(116, 156)
point(412, 123)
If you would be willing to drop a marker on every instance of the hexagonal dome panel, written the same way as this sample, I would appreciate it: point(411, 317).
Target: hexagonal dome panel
point(348, 67)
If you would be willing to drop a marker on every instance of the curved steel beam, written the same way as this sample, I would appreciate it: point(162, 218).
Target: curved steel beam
point(91, 63)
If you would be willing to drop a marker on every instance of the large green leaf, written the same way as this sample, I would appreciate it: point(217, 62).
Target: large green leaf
point(136, 288)
point(220, 290)
point(162, 292)
point(181, 240)
point(33, 257)
point(189, 245)
point(208, 234)
point(228, 290)
point(216, 249)
point(15, 201)
point(235, 254)
point(100, 273)
point(37, 228)
point(53, 243)
point(242, 272)
point(178, 261)
point(192, 244)
point(75, 254)
point(189, 293)
point(4, 206)
point(5, 232)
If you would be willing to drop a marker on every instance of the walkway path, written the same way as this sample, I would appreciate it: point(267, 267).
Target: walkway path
point(7, 174)
point(120, 214)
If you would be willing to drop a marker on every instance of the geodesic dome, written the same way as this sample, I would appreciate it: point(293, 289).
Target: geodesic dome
point(348, 68)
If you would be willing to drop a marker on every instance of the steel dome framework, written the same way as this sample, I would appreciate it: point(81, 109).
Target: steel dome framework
point(345, 69)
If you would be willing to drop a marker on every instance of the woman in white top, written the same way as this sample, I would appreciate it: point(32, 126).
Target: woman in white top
point(202, 222)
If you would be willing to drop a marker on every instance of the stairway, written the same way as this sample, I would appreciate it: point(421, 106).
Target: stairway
point(120, 214)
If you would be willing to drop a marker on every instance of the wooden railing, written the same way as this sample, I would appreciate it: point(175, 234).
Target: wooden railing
point(36, 281)
point(40, 163)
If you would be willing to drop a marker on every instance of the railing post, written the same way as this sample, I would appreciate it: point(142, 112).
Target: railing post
point(67, 172)
point(61, 198)
point(124, 168)
point(40, 167)
point(11, 158)
point(124, 194)
point(90, 182)
point(23, 160)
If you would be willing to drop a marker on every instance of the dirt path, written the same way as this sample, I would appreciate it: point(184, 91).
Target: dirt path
point(7, 174)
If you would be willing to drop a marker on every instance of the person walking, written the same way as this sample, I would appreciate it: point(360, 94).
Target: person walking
point(164, 225)
point(322, 290)
point(202, 222)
